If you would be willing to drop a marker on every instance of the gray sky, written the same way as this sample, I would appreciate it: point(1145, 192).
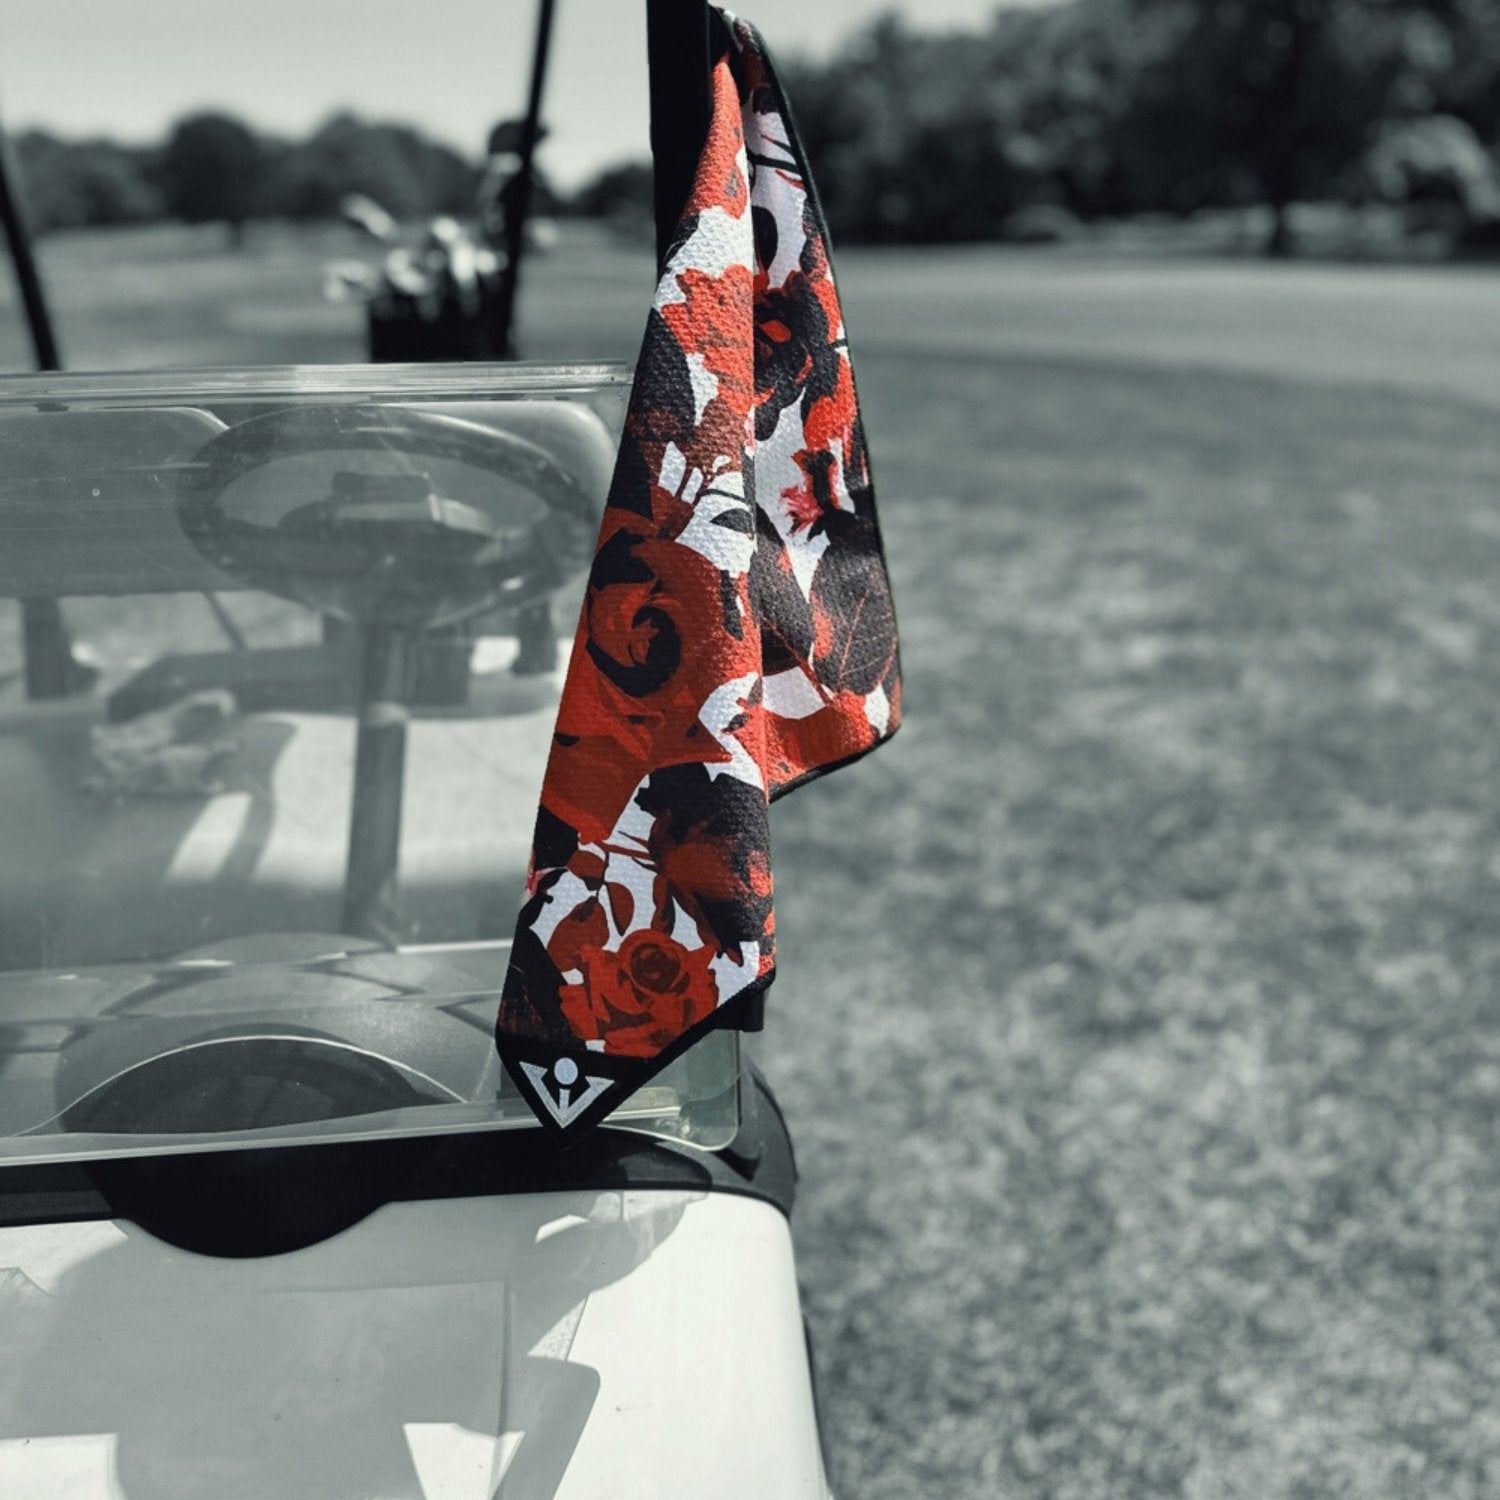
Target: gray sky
point(128, 67)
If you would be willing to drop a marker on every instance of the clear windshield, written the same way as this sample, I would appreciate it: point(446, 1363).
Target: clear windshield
point(277, 681)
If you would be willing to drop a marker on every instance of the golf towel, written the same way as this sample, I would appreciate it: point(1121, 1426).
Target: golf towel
point(737, 636)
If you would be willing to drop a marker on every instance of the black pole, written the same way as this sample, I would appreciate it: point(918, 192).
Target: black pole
point(371, 905)
point(51, 671)
point(680, 57)
point(33, 299)
point(518, 209)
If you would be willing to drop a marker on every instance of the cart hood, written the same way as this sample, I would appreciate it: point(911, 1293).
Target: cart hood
point(487, 1348)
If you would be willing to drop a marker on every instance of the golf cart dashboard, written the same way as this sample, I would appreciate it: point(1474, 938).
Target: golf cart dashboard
point(297, 1040)
point(276, 695)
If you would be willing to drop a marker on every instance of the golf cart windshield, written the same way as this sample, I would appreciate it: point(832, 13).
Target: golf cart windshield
point(277, 686)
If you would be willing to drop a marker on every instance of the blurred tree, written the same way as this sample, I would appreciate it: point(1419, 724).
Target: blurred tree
point(1269, 101)
point(69, 184)
point(915, 137)
point(1436, 169)
point(1468, 91)
point(213, 167)
point(622, 194)
point(1095, 108)
point(1071, 72)
point(404, 171)
point(1462, 76)
point(1436, 160)
point(624, 187)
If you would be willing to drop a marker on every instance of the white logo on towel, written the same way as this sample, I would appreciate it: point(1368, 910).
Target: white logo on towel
point(555, 1085)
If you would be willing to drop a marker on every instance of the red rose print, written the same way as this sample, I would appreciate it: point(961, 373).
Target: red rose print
point(584, 928)
point(641, 997)
point(621, 623)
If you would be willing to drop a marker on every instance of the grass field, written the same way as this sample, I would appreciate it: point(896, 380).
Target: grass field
point(1137, 1018)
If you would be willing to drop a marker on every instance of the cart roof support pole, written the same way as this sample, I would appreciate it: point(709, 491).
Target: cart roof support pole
point(680, 50)
point(47, 649)
point(520, 206)
point(33, 300)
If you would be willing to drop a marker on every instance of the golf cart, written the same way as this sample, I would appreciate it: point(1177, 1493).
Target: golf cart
point(276, 1219)
point(272, 1219)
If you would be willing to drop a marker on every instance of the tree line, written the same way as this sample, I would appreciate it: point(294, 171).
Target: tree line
point(213, 167)
point(1098, 109)
point(1046, 119)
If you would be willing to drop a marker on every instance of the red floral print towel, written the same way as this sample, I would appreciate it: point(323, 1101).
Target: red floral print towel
point(737, 636)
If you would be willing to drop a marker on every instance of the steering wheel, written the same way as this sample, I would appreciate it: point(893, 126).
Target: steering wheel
point(401, 521)
point(359, 526)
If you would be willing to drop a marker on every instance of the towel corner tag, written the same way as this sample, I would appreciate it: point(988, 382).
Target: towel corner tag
point(568, 1090)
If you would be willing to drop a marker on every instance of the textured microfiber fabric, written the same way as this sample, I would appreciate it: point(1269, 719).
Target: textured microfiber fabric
point(737, 636)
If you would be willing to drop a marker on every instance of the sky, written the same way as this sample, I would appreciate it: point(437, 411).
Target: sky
point(127, 68)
